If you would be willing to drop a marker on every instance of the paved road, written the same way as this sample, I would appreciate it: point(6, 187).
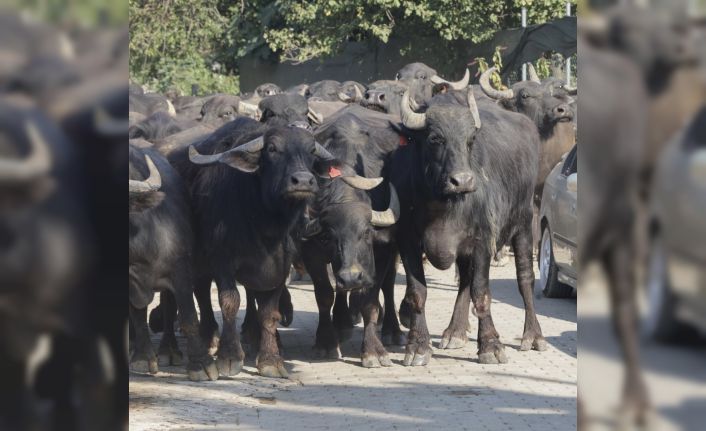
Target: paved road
point(534, 391)
point(675, 376)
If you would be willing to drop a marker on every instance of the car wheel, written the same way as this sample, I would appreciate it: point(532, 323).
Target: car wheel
point(660, 322)
point(548, 271)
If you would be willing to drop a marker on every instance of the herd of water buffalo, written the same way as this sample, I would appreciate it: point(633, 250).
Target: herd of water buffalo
point(236, 189)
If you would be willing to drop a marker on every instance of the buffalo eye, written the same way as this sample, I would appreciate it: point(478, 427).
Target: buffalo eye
point(272, 149)
point(436, 140)
point(525, 95)
point(397, 77)
point(422, 76)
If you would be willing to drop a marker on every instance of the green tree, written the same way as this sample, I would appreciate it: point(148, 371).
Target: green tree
point(175, 43)
point(321, 27)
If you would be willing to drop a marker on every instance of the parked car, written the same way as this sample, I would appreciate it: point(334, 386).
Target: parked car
point(558, 227)
point(676, 275)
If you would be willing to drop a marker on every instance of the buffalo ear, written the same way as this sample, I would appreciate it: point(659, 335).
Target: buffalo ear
point(139, 202)
point(508, 104)
point(440, 89)
point(329, 168)
point(406, 136)
point(244, 161)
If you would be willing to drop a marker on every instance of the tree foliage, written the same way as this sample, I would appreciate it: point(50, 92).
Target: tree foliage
point(178, 42)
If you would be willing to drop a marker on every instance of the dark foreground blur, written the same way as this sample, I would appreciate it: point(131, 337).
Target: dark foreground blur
point(642, 216)
point(63, 165)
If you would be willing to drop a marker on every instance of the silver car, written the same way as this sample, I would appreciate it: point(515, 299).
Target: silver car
point(676, 276)
point(558, 262)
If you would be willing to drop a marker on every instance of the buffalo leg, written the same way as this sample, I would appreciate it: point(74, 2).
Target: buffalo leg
point(208, 327)
point(522, 244)
point(168, 352)
point(326, 345)
point(143, 359)
point(373, 353)
point(250, 329)
point(230, 354)
point(391, 332)
point(200, 365)
point(342, 319)
point(418, 350)
point(269, 362)
point(619, 265)
point(286, 309)
point(454, 335)
point(18, 405)
point(490, 349)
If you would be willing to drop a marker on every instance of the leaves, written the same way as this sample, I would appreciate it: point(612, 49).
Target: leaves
point(199, 34)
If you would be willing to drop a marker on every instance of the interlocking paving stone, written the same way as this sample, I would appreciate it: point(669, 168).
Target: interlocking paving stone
point(534, 390)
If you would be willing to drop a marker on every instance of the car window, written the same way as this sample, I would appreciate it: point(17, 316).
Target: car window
point(570, 163)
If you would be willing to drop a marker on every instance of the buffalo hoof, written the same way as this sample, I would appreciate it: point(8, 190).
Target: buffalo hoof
point(405, 314)
point(168, 356)
point(371, 360)
point(453, 339)
point(492, 352)
point(327, 353)
point(271, 366)
point(394, 338)
point(206, 369)
point(144, 366)
point(634, 419)
point(531, 341)
point(229, 365)
point(417, 359)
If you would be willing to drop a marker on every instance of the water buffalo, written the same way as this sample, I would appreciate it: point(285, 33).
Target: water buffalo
point(420, 80)
point(220, 109)
point(251, 187)
point(549, 106)
point(160, 254)
point(467, 175)
point(44, 256)
point(155, 127)
point(345, 229)
point(149, 103)
point(384, 96)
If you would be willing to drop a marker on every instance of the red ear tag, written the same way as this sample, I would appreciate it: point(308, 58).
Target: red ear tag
point(333, 172)
point(403, 141)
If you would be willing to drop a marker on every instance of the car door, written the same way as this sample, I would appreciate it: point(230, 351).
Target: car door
point(565, 227)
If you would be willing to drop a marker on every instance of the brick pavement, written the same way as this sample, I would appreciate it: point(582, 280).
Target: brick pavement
point(535, 390)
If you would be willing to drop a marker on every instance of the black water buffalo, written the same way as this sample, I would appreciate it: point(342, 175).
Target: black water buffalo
point(249, 191)
point(149, 103)
point(43, 253)
point(160, 251)
point(351, 92)
point(326, 90)
point(220, 109)
point(331, 91)
point(155, 127)
point(384, 96)
point(549, 105)
point(420, 80)
point(189, 108)
point(467, 176)
point(347, 225)
point(267, 89)
point(287, 109)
